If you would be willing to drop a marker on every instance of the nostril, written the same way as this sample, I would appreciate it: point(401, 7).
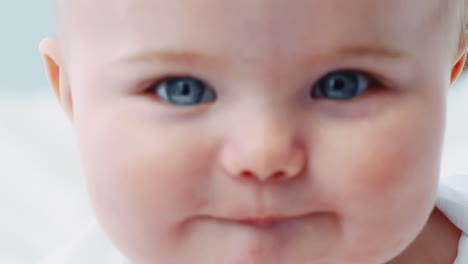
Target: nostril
point(246, 174)
point(250, 175)
point(278, 175)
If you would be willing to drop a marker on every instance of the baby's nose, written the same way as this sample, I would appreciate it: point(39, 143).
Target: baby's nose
point(263, 152)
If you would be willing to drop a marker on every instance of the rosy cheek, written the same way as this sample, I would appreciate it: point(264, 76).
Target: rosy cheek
point(142, 162)
point(379, 163)
point(361, 174)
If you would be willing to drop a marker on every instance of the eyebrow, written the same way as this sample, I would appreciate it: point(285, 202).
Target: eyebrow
point(168, 56)
point(371, 51)
point(189, 57)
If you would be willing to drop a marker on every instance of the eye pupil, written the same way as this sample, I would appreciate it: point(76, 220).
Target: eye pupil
point(338, 84)
point(184, 88)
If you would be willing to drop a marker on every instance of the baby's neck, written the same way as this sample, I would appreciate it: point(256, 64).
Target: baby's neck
point(437, 243)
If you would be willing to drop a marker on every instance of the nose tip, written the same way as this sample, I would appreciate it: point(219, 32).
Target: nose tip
point(267, 150)
point(266, 168)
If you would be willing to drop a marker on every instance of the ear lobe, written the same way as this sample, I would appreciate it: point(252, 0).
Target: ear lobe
point(55, 74)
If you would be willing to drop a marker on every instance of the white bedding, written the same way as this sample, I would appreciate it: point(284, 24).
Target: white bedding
point(42, 198)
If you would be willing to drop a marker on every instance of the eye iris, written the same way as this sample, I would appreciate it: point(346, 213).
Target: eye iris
point(185, 91)
point(339, 85)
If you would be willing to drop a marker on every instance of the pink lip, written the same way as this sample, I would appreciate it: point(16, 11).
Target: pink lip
point(263, 222)
point(260, 222)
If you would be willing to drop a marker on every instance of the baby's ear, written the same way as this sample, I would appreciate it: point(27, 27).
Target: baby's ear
point(56, 75)
point(460, 59)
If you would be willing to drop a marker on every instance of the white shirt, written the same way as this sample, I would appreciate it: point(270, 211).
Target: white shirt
point(452, 200)
point(93, 246)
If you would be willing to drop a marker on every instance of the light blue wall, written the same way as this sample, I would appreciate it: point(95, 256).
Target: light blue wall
point(23, 23)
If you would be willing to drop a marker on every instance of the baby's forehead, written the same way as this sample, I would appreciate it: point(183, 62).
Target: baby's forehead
point(244, 26)
point(127, 8)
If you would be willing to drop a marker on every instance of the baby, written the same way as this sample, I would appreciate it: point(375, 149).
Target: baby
point(262, 131)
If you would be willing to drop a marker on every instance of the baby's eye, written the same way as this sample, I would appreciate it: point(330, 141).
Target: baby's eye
point(341, 85)
point(184, 91)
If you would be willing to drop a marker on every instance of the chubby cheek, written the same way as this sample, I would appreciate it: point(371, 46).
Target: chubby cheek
point(382, 175)
point(143, 177)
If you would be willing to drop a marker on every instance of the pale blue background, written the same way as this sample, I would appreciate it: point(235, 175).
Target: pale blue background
point(42, 197)
point(22, 24)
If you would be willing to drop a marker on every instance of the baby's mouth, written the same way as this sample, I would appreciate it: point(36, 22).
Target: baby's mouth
point(266, 222)
point(273, 233)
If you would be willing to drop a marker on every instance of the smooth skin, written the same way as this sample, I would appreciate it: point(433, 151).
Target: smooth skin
point(323, 180)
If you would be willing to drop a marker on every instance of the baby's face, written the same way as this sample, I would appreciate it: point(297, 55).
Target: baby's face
point(260, 132)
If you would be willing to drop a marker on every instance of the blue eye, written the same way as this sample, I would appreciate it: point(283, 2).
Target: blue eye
point(341, 85)
point(184, 91)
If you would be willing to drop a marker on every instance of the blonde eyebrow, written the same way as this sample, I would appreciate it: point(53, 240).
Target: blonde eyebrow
point(190, 57)
point(169, 56)
point(370, 50)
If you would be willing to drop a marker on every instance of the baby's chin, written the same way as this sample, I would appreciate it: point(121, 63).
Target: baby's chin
point(315, 239)
point(283, 241)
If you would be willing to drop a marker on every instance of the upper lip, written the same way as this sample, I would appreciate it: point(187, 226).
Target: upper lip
point(262, 218)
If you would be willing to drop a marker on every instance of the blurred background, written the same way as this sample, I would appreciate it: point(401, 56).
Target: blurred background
point(42, 201)
point(42, 197)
